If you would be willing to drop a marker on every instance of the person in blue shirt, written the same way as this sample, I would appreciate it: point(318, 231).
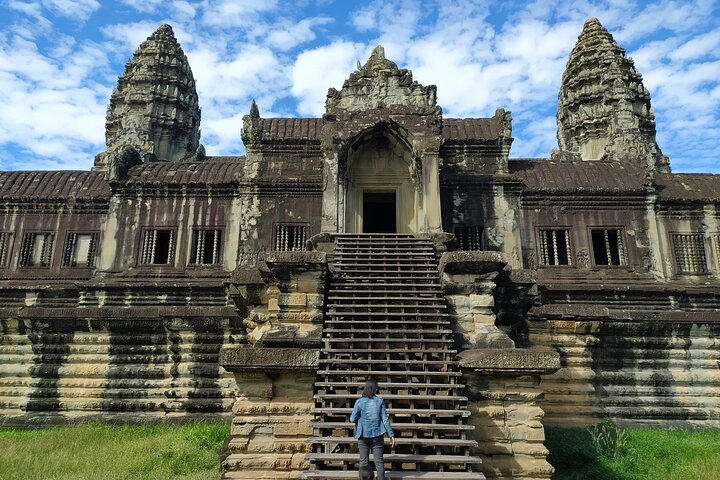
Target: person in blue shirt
point(371, 423)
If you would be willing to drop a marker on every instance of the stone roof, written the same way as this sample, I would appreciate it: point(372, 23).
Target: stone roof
point(472, 128)
point(62, 184)
point(211, 171)
point(545, 175)
point(688, 187)
point(277, 129)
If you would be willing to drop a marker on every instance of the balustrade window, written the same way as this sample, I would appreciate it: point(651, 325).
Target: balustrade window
point(158, 247)
point(206, 246)
point(689, 249)
point(290, 237)
point(80, 250)
point(469, 238)
point(37, 249)
point(5, 239)
point(555, 247)
point(608, 248)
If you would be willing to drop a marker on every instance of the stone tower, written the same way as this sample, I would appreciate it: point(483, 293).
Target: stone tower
point(604, 109)
point(154, 108)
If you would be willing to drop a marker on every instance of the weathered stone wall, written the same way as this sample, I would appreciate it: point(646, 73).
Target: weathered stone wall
point(651, 371)
point(152, 366)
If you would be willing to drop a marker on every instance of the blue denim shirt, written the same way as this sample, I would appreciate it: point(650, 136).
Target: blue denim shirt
point(370, 418)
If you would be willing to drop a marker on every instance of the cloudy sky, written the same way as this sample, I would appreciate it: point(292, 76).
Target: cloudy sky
point(60, 59)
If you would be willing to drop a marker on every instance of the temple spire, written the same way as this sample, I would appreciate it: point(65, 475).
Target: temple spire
point(604, 109)
point(154, 108)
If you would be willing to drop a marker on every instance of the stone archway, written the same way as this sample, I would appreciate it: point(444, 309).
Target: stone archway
point(381, 191)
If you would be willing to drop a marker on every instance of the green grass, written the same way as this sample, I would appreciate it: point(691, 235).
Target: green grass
point(97, 451)
point(648, 454)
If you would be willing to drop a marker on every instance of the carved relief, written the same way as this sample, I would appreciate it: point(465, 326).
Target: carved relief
point(583, 259)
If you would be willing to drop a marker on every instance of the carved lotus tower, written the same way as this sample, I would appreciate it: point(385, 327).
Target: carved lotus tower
point(604, 109)
point(154, 108)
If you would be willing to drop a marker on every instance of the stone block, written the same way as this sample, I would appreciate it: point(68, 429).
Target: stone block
point(292, 300)
point(481, 301)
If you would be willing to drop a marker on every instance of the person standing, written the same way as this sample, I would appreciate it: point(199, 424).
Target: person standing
point(371, 421)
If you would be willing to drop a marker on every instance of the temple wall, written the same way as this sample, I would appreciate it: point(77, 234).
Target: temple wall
point(634, 372)
point(147, 368)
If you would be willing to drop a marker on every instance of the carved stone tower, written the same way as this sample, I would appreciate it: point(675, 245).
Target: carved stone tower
point(154, 108)
point(604, 109)
point(381, 141)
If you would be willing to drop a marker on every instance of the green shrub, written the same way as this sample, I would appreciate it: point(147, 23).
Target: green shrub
point(609, 440)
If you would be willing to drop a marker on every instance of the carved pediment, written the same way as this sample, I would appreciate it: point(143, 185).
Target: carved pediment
point(381, 84)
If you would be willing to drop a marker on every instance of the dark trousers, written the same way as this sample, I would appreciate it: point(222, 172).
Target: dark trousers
point(376, 444)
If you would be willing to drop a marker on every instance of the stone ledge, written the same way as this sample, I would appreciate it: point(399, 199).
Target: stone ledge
point(300, 257)
point(472, 262)
point(513, 361)
point(248, 359)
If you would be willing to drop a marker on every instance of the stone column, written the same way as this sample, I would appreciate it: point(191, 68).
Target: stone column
point(273, 411)
point(431, 193)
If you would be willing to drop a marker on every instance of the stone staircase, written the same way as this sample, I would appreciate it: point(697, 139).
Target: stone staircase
point(386, 319)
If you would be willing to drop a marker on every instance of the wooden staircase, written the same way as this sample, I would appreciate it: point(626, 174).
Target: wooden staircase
point(386, 319)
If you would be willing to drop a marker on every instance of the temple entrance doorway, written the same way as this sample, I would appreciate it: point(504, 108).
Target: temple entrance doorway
point(379, 213)
point(381, 193)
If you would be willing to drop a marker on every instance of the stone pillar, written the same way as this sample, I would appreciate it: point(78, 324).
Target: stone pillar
point(502, 382)
point(273, 411)
point(431, 193)
point(504, 394)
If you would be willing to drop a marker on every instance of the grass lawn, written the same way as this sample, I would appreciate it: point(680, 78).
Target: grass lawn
point(648, 454)
point(95, 451)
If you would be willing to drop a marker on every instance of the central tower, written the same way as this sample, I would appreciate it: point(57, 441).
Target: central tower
point(381, 139)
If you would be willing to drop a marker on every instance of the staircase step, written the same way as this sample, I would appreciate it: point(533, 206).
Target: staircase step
point(399, 427)
point(353, 474)
point(434, 412)
point(388, 350)
point(450, 442)
point(397, 458)
point(390, 397)
point(384, 385)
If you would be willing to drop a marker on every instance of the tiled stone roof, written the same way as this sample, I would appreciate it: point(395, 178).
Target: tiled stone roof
point(211, 171)
point(688, 187)
point(62, 184)
point(545, 175)
point(472, 128)
point(275, 129)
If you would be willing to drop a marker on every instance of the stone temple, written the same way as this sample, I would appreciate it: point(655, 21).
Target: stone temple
point(381, 240)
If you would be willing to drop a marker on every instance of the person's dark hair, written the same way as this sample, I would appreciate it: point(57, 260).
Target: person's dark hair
point(371, 388)
point(366, 473)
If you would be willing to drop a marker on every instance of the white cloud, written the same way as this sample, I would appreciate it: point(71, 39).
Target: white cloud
point(76, 9)
point(332, 63)
point(145, 6)
point(285, 37)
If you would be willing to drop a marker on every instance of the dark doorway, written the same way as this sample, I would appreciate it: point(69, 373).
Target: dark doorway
point(379, 212)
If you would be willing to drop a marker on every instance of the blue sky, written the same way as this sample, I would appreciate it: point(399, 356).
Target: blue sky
point(60, 59)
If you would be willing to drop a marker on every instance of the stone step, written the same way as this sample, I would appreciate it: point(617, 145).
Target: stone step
point(377, 341)
point(386, 385)
point(388, 314)
point(353, 321)
point(390, 331)
point(353, 474)
point(399, 351)
point(434, 412)
point(440, 442)
point(384, 362)
point(390, 397)
point(385, 305)
point(397, 458)
point(380, 374)
point(400, 426)
point(439, 300)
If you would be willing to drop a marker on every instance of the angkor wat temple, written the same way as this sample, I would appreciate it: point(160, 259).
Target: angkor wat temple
point(379, 240)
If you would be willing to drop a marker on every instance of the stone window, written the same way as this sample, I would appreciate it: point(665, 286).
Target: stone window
point(37, 249)
point(206, 247)
point(689, 249)
point(158, 247)
point(555, 247)
point(5, 239)
point(290, 237)
point(608, 248)
point(80, 250)
point(470, 238)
